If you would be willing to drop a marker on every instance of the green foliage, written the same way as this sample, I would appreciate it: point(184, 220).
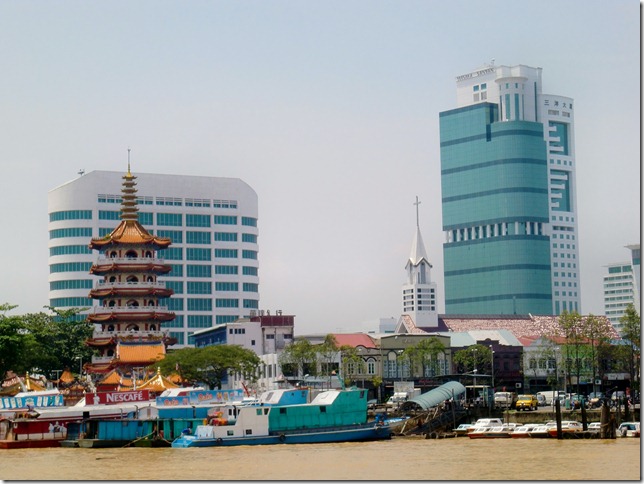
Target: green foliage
point(424, 355)
point(473, 357)
point(210, 364)
point(42, 342)
point(632, 333)
point(299, 356)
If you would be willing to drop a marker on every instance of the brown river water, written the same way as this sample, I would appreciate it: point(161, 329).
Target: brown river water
point(401, 458)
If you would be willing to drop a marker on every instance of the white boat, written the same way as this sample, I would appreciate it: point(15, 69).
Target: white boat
point(629, 429)
point(495, 432)
point(523, 431)
point(484, 423)
point(567, 426)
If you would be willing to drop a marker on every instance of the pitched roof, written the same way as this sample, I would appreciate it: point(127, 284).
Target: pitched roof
point(354, 339)
point(418, 252)
point(157, 383)
point(127, 352)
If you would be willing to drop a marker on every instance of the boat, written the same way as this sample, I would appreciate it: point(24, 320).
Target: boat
point(496, 432)
point(567, 426)
point(484, 423)
point(629, 429)
point(332, 416)
point(462, 429)
point(542, 431)
point(523, 431)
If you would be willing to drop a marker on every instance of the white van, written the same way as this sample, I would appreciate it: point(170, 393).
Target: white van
point(550, 395)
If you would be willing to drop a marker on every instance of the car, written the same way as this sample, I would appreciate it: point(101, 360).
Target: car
point(542, 400)
point(527, 402)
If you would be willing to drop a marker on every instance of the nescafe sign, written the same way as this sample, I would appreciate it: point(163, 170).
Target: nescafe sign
point(111, 398)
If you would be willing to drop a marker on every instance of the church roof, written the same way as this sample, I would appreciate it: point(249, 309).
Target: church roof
point(418, 252)
point(407, 325)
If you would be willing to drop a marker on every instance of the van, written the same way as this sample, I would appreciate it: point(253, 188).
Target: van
point(397, 399)
point(550, 395)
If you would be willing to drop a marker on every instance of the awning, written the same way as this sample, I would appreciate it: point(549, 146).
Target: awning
point(451, 389)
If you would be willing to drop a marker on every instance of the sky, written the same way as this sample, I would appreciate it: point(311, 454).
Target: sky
point(329, 110)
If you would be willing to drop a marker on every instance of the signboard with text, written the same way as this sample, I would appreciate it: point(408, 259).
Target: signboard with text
point(111, 398)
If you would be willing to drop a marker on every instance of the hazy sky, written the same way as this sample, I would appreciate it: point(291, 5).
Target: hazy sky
point(327, 109)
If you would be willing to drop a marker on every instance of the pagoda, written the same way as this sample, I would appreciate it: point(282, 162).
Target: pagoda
point(128, 319)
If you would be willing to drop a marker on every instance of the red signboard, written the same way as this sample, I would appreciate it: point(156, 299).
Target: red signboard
point(111, 398)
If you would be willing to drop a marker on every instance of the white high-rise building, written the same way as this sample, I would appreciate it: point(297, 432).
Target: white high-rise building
point(419, 292)
point(622, 287)
point(211, 221)
point(518, 92)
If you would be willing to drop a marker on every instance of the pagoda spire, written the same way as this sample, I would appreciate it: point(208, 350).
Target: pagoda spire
point(129, 208)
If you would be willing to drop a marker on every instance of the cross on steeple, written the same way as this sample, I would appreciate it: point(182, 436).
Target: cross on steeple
point(417, 203)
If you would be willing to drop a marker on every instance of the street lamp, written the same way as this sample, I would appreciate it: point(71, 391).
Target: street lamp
point(492, 368)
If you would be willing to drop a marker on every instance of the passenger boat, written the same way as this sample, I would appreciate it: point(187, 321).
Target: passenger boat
point(332, 416)
point(567, 426)
point(496, 432)
point(462, 429)
point(542, 431)
point(523, 431)
point(629, 429)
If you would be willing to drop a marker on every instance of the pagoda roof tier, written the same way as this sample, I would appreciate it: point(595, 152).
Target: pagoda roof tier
point(101, 292)
point(99, 367)
point(120, 313)
point(146, 265)
point(129, 232)
point(143, 353)
point(100, 342)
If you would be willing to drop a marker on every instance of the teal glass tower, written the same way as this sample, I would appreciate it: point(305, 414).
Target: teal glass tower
point(495, 201)
point(508, 166)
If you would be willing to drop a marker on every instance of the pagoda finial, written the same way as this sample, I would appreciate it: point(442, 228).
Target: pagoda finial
point(129, 173)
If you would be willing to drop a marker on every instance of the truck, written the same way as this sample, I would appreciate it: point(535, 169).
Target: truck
point(398, 398)
point(504, 399)
point(551, 395)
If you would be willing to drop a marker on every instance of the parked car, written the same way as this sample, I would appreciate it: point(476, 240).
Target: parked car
point(542, 400)
point(527, 402)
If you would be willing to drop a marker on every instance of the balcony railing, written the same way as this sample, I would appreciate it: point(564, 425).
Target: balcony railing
point(129, 309)
point(129, 260)
point(129, 285)
point(110, 334)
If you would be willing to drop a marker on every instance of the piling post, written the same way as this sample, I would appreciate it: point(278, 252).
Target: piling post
point(584, 418)
point(558, 419)
point(603, 429)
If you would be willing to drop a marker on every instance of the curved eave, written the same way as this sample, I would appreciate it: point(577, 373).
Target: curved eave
point(100, 342)
point(129, 232)
point(127, 292)
point(101, 269)
point(155, 242)
point(139, 316)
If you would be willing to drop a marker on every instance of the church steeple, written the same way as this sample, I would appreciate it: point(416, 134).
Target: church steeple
point(419, 292)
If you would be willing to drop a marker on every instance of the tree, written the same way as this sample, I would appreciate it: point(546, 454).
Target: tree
point(300, 356)
point(632, 333)
point(570, 324)
point(475, 357)
point(598, 335)
point(327, 352)
point(425, 355)
point(210, 365)
point(351, 363)
point(14, 341)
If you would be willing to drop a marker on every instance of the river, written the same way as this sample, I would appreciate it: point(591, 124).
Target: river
point(401, 458)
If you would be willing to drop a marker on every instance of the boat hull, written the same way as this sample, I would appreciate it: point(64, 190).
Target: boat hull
point(310, 437)
point(29, 444)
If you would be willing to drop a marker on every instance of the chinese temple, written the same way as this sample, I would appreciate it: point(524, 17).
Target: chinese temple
point(128, 320)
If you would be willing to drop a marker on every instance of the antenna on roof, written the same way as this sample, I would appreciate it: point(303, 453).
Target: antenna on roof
point(81, 172)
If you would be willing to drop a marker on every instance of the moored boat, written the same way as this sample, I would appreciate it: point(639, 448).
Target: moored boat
point(523, 431)
point(333, 416)
point(567, 426)
point(496, 432)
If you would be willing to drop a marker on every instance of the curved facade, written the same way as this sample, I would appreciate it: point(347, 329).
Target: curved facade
point(213, 259)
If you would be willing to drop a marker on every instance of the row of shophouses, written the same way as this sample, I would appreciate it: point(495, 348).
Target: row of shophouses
point(502, 353)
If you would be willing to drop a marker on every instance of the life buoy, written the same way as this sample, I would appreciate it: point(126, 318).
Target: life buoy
point(282, 438)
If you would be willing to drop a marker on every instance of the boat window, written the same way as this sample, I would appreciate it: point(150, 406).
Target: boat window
point(249, 432)
point(282, 410)
point(323, 409)
point(266, 411)
point(362, 394)
point(258, 411)
point(230, 433)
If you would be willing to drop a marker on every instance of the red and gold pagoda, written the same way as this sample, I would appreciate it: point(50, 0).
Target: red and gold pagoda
point(130, 313)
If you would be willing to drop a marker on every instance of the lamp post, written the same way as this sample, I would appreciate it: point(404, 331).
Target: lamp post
point(476, 397)
point(492, 368)
point(80, 366)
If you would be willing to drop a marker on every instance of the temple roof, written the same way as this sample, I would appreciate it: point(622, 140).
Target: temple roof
point(140, 352)
point(157, 383)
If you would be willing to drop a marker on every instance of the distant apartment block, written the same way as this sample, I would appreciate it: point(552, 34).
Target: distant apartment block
point(622, 287)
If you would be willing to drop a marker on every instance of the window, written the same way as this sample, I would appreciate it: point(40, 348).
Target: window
point(71, 232)
point(197, 220)
point(197, 287)
point(199, 321)
point(70, 267)
point(69, 249)
point(250, 287)
point(175, 271)
point(226, 253)
point(195, 270)
point(249, 271)
point(198, 304)
point(175, 235)
point(70, 215)
point(170, 219)
point(249, 254)
point(227, 303)
point(251, 303)
point(226, 236)
point(249, 221)
point(172, 253)
point(71, 284)
point(176, 286)
point(109, 215)
point(226, 269)
point(226, 286)
point(198, 237)
point(198, 254)
point(225, 220)
point(251, 238)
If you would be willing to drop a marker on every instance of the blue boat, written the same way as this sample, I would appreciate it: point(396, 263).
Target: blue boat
point(332, 416)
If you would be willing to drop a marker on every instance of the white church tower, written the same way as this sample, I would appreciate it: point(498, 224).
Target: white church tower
point(419, 292)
